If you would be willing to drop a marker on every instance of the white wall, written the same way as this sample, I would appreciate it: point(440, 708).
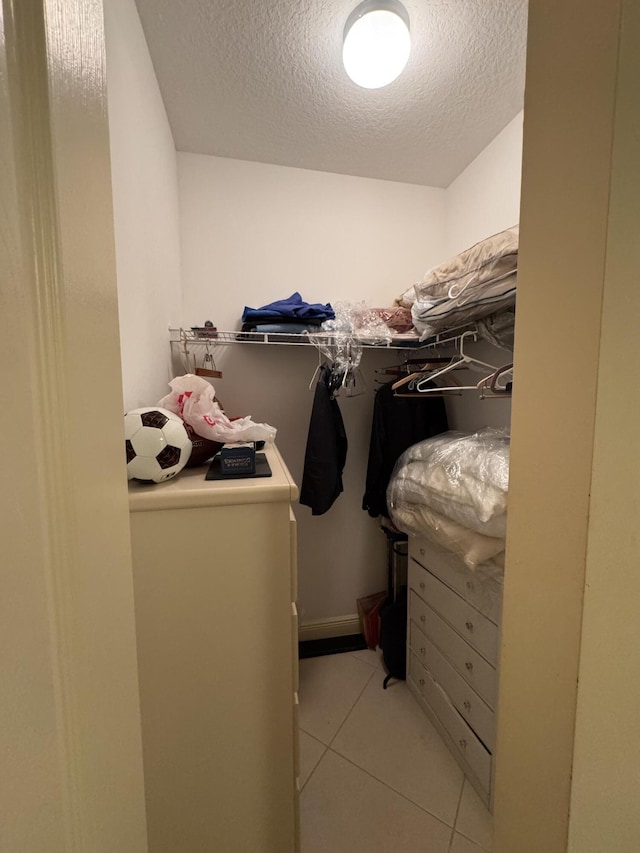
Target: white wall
point(145, 200)
point(252, 233)
point(485, 198)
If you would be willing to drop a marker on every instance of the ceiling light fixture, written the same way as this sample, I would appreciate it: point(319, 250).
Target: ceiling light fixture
point(376, 43)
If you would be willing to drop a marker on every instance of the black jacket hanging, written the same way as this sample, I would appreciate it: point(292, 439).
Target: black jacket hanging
point(398, 422)
point(326, 450)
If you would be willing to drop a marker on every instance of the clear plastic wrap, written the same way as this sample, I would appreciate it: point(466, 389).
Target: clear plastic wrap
point(452, 489)
point(480, 281)
point(499, 329)
point(341, 349)
point(355, 319)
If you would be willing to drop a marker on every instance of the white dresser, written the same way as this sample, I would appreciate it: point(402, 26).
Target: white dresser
point(453, 636)
point(214, 567)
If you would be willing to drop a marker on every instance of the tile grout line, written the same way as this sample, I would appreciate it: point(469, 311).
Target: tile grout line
point(474, 840)
point(375, 666)
point(326, 748)
point(455, 821)
point(359, 696)
point(391, 788)
point(399, 793)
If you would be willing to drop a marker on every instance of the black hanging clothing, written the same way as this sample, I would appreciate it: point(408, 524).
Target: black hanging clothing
point(326, 451)
point(398, 422)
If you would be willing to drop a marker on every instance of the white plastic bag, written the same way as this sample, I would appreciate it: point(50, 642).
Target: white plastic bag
point(192, 398)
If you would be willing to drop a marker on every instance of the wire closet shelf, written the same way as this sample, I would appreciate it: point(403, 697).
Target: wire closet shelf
point(407, 340)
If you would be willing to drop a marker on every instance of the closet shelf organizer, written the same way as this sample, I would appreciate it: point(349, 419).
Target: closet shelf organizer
point(408, 340)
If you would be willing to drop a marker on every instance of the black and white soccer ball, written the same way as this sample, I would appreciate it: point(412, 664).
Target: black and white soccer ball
point(156, 443)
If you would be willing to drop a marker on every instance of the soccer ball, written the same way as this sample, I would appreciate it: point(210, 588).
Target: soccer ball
point(156, 443)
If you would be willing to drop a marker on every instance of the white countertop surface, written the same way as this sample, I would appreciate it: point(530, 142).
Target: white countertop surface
point(190, 489)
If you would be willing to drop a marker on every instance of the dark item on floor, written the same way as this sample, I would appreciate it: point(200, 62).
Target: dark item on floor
point(393, 614)
point(369, 614)
point(393, 639)
point(262, 470)
point(331, 646)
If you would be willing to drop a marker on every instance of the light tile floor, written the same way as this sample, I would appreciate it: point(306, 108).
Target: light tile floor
point(375, 776)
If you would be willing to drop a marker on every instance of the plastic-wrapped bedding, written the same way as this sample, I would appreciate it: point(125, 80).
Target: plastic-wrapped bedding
point(474, 548)
point(452, 489)
point(477, 282)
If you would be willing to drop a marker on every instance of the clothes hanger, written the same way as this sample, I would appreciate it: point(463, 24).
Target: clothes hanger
point(405, 367)
point(454, 390)
point(407, 380)
point(433, 359)
point(506, 389)
point(420, 374)
point(464, 360)
point(316, 371)
point(185, 355)
point(351, 379)
point(490, 383)
point(354, 382)
point(211, 372)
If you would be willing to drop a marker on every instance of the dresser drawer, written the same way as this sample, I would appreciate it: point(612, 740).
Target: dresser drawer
point(470, 624)
point(480, 674)
point(476, 712)
point(484, 594)
point(464, 741)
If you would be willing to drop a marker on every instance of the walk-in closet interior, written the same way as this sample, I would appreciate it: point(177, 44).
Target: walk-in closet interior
point(248, 167)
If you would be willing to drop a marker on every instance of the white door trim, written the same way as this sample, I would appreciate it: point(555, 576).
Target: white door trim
point(69, 724)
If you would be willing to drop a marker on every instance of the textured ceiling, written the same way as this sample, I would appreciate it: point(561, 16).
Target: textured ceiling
point(263, 80)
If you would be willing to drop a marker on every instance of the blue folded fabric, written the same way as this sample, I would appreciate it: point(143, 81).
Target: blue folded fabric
point(294, 306)
point(286, 328)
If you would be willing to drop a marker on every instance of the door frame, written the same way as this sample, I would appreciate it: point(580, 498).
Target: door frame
point(72, 761)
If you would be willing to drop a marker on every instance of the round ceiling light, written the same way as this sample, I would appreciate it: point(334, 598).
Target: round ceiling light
point(376, 43)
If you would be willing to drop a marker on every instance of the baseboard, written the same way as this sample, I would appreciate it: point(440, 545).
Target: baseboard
point(331, 646)
point(323, 629)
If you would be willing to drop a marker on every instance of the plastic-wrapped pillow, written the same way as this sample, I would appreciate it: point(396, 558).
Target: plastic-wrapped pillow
point(473, 548)
point(464, 478)
point(477, 282)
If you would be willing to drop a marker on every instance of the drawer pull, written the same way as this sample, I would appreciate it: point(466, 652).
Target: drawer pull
point(467, 705)
point(469, 626)
point(469, 666)
point(423, 618)
point(423, 651)
point(422, 552)
point(422, 585)
point(470, 586)
point(421, 682)
point(463, 743)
